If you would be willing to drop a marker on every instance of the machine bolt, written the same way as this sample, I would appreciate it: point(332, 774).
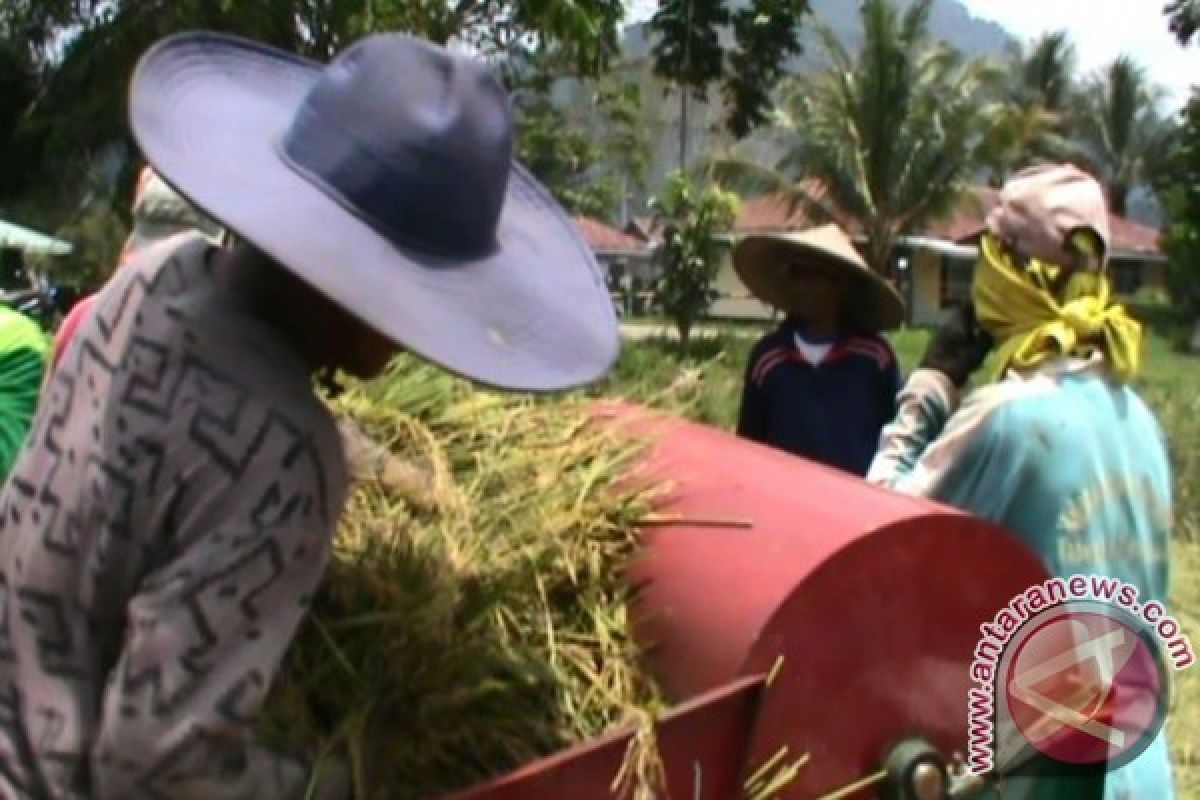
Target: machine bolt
point(915, 771)
point(928, 782)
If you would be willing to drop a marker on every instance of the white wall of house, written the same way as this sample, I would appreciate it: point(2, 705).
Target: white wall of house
point(735, 302)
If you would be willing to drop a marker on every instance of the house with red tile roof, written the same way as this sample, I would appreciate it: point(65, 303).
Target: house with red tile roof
point(935, 280)
point(627, 258)
point(936, 263)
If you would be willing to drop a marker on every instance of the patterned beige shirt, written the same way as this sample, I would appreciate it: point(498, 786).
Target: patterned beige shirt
point(160, 538)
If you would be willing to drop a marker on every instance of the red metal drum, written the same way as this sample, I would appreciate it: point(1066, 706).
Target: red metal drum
point(874, 600)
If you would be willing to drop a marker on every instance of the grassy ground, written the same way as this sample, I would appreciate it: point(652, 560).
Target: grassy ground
point(710, 377)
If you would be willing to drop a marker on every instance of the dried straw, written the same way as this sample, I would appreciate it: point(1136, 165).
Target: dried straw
point(486, 623)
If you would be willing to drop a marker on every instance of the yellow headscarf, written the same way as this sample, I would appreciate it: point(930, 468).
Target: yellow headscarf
point(1031, 325)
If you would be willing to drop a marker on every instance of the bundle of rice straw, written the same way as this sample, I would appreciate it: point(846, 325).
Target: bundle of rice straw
point(464, 633)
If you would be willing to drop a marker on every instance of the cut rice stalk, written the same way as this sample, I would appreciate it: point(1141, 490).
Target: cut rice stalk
point(456, 640)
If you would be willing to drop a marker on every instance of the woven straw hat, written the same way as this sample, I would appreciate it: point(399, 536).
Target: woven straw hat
point(764, 263)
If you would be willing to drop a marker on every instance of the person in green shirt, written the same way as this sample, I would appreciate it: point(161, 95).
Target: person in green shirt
point(24, 350)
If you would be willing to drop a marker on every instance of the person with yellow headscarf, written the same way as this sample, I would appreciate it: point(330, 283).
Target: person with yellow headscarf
point(1056, 446)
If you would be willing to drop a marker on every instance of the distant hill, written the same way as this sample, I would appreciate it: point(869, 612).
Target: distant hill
point(950, 22)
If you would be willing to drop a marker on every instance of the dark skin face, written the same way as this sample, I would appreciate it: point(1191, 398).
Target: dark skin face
point(821, 293)
point(325, 336)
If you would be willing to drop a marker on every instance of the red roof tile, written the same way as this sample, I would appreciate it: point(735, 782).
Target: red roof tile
point(772, 212)
point(1134, 237)
point(776, 212)
point(644, 228)
point(967, 222)
point(604, 238)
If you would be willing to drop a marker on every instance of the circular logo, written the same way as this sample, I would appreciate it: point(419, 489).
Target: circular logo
point(1086, 686)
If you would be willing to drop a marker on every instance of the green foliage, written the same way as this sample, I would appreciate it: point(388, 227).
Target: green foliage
point(1119, 128)
point(1029, 97)
point(563, 158)
point(1184, 19)
point(81, 99)
point(1152, 297)
point(17, 87)
point(587, 163)
point(689, 51)
point(1182, 233)
point(98, 237)
point(889, 133)
point(694, 218)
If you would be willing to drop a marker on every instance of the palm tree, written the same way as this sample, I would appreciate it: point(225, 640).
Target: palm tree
point(1028, 117)
point(1044, 71)
point(890, 133)
point(1184, 19)
point(1120, 128)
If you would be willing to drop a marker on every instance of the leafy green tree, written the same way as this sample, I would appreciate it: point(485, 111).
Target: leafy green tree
point(17, 87)
point(80, 100)
point(1184, 18)
point(689, 52)
point(1182, 230)
point(1044, 72)
point(589, 153)
point(1120, 129)
point(695, 221)
point(888, 136)
point(1027, 111)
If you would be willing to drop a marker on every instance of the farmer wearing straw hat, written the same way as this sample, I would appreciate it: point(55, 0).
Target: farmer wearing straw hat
point(1057, 447)
point(172, 516)
point(824, 383)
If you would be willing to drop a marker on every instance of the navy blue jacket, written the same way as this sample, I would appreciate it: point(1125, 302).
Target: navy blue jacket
point(831, 413)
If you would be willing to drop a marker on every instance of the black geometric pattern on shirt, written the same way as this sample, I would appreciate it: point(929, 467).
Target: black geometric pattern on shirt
point(60, 757)
point(240, 704)
point(14, 769)
point(145, 364)
point(217, 416)
point(197, 767)
point(47, 615)
point(48, 424)
point(215, 401)
point(171, 279)
point(6, 649)
point(158, 687)
point(107, 495)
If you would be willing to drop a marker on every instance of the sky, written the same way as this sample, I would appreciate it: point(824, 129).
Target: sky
point(1101, 30)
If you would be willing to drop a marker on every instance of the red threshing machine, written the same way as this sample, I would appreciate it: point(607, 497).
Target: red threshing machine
point(785, 604)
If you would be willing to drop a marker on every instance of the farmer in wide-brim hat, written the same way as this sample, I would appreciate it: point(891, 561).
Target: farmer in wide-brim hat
point(160, 213)
point(1056, 447)
point(822, 384)
point(172, 515)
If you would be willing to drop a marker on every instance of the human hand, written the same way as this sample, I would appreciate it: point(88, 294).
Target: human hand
point(958, 347)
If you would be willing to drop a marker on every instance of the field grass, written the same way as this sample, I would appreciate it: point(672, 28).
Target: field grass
point(709, 379)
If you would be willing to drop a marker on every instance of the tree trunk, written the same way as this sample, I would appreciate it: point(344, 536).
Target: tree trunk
point(683, 93)
point(684, 326)
point(683, 127)
point(880, 244)
point(1118, 198)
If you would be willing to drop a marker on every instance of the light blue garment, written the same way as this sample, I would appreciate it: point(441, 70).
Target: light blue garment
point(1073, 464)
